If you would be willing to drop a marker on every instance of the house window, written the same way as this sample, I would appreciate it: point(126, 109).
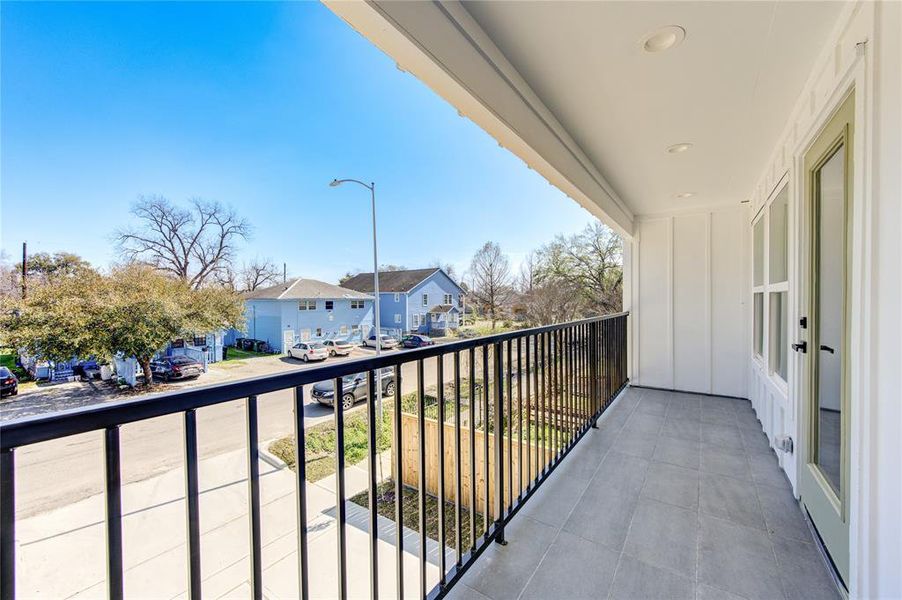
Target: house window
point(397, 317)
point(416, 320)
point(305, 334)
point(397, 297)
point(343, 330)
point(307, 305)
point(329, 304)
point(356, 304)
point(448, 299)
point(425, 299)
point(319, 332)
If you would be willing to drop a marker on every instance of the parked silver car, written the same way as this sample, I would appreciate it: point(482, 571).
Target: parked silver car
point(338, 347)
point(307, 351)
point(387, 341)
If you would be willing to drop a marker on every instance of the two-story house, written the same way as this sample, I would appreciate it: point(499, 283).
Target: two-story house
point(414, 300)
point(302, 309)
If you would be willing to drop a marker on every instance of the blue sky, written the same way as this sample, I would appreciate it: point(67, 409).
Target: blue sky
point(259, 106)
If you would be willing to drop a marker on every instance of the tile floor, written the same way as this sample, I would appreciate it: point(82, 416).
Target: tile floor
point(674, 496)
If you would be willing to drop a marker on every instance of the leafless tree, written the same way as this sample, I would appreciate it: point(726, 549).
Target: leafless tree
point(194, 243)
point(448, 268)
point(259, 273)
point(490, 276)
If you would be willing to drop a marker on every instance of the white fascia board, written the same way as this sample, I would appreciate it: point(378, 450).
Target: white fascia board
point(443, 46)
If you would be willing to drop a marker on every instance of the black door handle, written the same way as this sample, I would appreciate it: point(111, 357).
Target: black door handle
point(827, 349)
point(801, 347)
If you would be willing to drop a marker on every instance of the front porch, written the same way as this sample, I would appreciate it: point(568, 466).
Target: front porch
point(674, 496)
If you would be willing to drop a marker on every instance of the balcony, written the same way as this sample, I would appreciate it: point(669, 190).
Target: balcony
point(673, 496)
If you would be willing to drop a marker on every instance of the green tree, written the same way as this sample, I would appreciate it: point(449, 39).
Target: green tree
point(135, 310)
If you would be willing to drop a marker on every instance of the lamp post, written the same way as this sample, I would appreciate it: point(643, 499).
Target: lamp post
point(372, 188)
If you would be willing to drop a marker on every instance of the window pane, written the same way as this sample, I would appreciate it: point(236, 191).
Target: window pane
point(779, 328)
point(779, 228)
point(759, 324)
point(759, 253)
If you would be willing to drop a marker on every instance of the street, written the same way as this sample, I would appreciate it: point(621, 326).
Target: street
point(63, 471)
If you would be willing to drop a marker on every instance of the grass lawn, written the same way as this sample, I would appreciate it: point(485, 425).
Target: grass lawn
point(238, 354)
point(385, 506)
point(8, 359)
point(320, 443)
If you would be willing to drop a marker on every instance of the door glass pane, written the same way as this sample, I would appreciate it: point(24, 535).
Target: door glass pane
point(778, 333)
point(759, 253)
point(830, 277)
point(759, 323)
point(779, 226)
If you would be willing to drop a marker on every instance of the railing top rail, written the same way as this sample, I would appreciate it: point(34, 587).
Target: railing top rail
point(40, 428)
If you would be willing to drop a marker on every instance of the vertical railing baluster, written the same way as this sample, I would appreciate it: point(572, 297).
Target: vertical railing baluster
point(300, 487)
point(498, 430)
point(399, 487)
point(113, 513)
point(485, 434)
point(7, 524)
point(373, 387)
point(543, 419)
point(508, 387)
point(440, 397)
point(421, 475)
point(520, 419)
point(529, 417)
point(253, 488)
point(341, 513)
point(192, 504)
point(458, 486)
point(472, 403)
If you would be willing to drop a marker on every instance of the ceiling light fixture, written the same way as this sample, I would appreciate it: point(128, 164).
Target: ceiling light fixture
point(679, 148)
point(685, 195)
point(664, 38)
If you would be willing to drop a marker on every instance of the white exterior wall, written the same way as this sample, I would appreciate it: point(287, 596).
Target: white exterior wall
point(688, 299)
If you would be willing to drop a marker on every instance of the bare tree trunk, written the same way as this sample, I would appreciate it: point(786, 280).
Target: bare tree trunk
point(148, 374)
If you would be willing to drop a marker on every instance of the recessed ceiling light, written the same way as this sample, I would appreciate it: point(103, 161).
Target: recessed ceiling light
point(685, 195)
point(678, 148)
point(664, 38)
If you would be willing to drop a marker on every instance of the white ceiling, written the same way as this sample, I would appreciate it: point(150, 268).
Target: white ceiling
point(728, 88)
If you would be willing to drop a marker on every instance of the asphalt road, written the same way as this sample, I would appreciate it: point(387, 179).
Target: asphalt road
point(56, 473)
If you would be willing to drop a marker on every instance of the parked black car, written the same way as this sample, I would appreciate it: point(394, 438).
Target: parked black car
point(9, 383)
point(416, 340)
point(176, 367)
point(353, 388)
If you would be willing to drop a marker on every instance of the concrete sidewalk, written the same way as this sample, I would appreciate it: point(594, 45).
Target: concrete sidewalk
point(62, 553)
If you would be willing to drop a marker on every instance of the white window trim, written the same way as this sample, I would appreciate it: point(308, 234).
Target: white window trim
point(397, 297)
point(357, 304)
point(397, 317)
point(307, 305)
point(416, 319)
point(449, 299)
point(425, 299)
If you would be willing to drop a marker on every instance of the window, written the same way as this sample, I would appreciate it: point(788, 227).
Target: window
point(425, 299)
point(759, 324)
point(770, 281)
point(343, 330)
point(319, 332)
point(307, 305)
point(355, 329)
point(449, 299)
point(305, 334)
point(759, 252)
point(397, 317)
point(329, 304)
point(779, 341)
point(416, 320)
point(397, 297)
point(356, 304)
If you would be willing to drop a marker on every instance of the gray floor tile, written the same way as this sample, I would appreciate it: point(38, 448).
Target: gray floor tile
point(731, 499)
point(681, 429)
point(803, 571)
point(683, 453)
point(767, 471)
point(554, 500)
point(672, 484)
point(637, 580)
point(652, 406)
point(755, 442)
point(719, 460)
point(623, 473)
point(664, 535)
point(737, 559)
point(716, 403)
point(462, 591)
point(635, 443)
point(573, 568)
point(644, 423)
point(502, 571)
point(718, 416)
point(782, 513)
point(706, 592)
point(727, 436)
point(603, 516)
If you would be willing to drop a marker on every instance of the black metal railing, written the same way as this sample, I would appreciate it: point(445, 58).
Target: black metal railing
point(530, 395)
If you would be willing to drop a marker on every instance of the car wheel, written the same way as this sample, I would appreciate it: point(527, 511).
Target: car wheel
point(347, 401)
point(389, 388)
point(331, 352)
point(304, 358)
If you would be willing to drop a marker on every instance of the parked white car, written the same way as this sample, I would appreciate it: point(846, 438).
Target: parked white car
point(307, 351)
point(338, 347)
point(387, 341)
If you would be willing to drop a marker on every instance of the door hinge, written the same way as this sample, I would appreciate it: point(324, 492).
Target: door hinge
point(800, 347)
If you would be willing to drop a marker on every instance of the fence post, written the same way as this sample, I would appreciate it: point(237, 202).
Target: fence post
point(593, 370)
point(498, 435)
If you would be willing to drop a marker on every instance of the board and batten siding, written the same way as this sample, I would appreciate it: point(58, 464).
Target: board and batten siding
point(687, 294)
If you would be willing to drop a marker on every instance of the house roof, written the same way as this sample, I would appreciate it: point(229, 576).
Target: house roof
point(443, 308)
point(300, 289)
point(390, 281)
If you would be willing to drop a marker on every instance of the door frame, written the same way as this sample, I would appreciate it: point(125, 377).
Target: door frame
point(855, 76)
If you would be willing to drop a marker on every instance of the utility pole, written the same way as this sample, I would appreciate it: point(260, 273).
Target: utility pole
point(284, 272)
point(24, 270)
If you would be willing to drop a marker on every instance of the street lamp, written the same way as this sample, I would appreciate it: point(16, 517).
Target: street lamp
point(372, 188)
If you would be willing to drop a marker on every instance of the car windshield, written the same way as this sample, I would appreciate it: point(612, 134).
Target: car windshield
point(342, 342)
point(181, 360)
point(316, 345)
point(4, 372)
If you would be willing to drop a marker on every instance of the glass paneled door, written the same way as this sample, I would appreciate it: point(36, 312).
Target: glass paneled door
point(824, 479)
